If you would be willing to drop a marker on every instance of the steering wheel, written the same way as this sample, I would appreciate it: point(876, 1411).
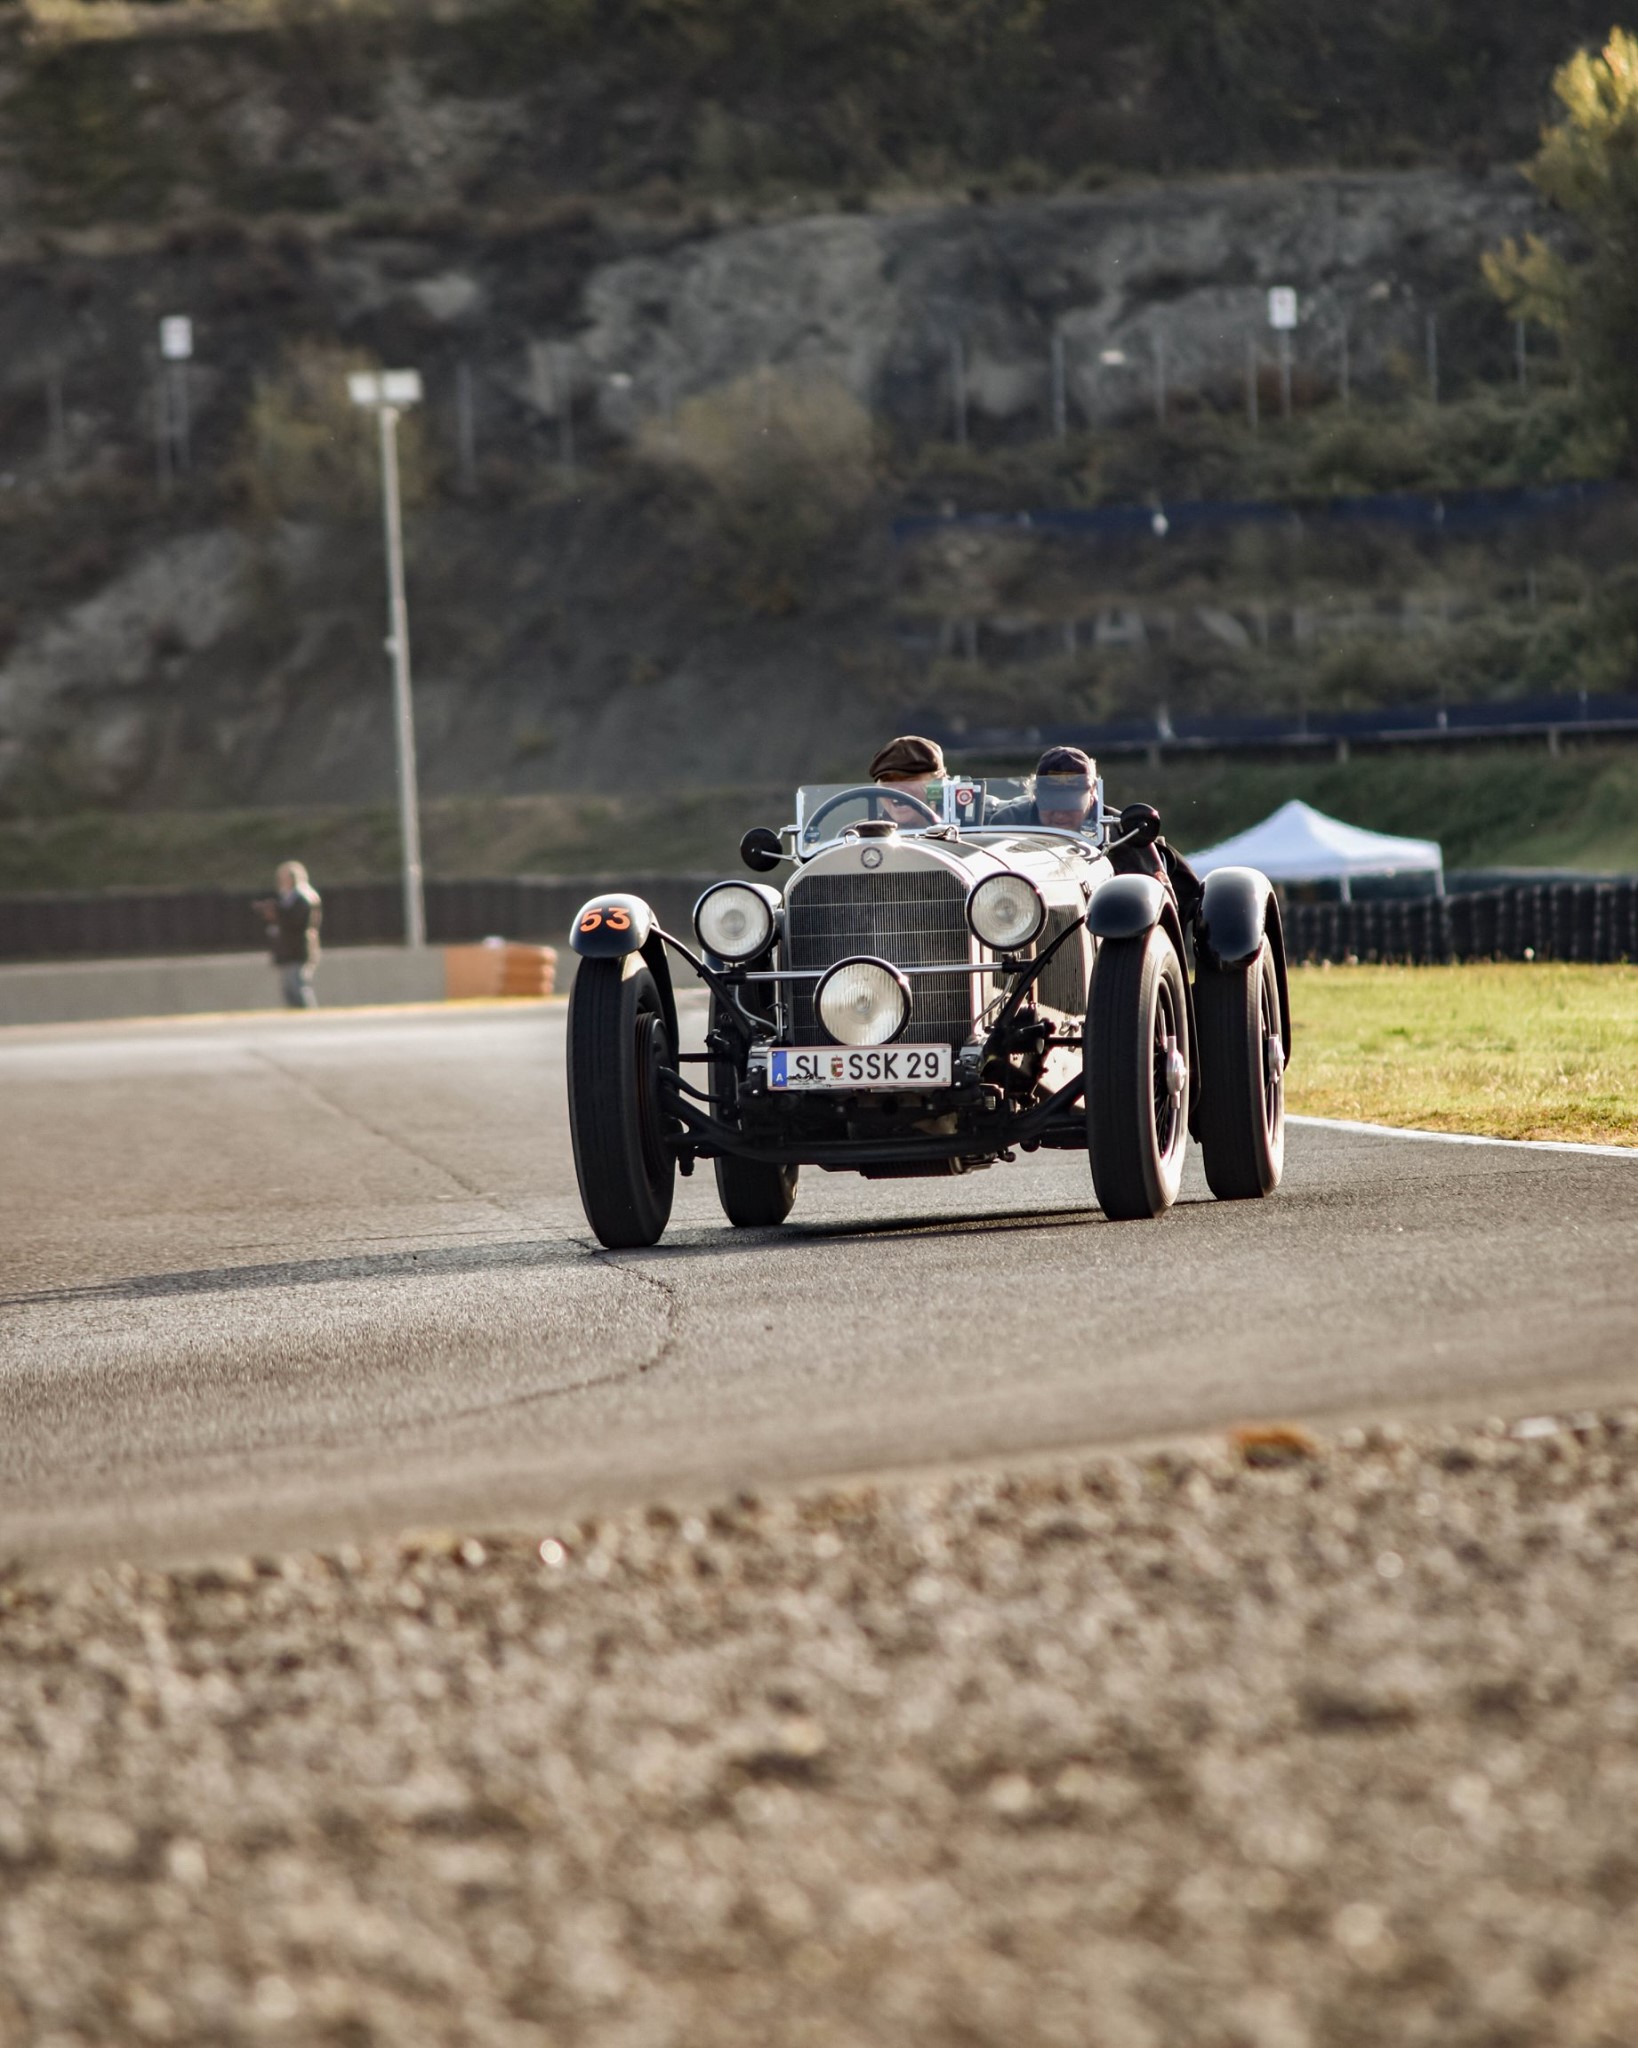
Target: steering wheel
point(875, 792)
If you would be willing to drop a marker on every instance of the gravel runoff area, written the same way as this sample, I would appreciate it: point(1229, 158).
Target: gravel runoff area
point(1251, 1743)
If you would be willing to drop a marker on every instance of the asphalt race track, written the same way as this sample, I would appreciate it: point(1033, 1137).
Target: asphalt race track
point(283, 1281)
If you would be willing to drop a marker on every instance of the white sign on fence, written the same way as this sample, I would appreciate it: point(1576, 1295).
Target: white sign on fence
point(176, 337)
point(1282, 308)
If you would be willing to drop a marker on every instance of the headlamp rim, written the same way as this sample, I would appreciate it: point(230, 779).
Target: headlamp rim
point(864, 960)
point(1013, 945)
point(762, 894)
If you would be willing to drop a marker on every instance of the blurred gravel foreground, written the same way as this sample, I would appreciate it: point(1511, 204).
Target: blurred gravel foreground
point(1255, 1745)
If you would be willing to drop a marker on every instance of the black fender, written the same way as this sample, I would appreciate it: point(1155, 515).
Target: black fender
point(1127, 906)
point(611, 926)
point(1238, 910)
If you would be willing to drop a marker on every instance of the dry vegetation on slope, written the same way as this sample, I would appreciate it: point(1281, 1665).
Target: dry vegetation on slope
point(668, 101)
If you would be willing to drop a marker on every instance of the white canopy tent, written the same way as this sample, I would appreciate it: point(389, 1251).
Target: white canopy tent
point(1300, 844)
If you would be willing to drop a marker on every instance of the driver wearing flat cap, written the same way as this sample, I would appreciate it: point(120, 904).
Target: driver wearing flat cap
point(909, 763)
point(1065, 790)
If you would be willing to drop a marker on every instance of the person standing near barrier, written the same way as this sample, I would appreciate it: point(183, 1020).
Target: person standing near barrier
point(293, 917)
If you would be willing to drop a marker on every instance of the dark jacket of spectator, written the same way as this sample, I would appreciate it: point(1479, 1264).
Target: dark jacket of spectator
point(295, 930)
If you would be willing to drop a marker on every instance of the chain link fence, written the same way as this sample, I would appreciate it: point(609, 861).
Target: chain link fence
point(546, 401)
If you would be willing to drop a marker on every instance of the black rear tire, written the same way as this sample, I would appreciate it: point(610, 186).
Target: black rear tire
point(618, 1042)
point(1242, 1073)
point(753, 1196)
point(1136, 1117)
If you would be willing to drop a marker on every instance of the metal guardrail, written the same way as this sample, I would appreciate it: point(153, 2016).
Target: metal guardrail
point(1422, 511)
point(1571, 715)
point(1433, 513)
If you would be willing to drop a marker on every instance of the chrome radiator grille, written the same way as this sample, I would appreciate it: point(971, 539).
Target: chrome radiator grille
point(1062, 985)
point(911, 917)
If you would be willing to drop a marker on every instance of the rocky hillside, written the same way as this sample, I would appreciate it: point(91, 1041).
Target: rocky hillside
point(133, 111)
point(694, 329)
point(221, 642)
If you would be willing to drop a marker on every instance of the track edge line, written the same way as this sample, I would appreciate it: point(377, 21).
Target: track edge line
point(1341, 1123)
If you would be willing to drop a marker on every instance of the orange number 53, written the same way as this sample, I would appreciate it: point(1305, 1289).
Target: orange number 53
point(616, 919)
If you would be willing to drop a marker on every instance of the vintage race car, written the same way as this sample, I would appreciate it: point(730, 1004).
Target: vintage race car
point(933, 989)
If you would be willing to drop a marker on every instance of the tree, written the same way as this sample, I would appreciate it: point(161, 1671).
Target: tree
point(1587, 166)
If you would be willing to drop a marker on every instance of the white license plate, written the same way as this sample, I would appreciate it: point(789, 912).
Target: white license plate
point(880, 1066)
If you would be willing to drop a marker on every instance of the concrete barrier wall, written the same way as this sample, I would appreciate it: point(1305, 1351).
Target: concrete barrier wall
point(179, 984)
point(84, 991)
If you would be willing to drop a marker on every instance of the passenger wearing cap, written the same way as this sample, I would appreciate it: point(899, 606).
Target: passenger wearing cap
point(1065, 791)
point(909, 763)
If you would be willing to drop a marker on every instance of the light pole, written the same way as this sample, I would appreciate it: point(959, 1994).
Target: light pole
point(386, 394)
point(1282, 317)
point(176, 351)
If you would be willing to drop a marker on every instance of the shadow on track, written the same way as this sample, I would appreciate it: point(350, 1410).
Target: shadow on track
point(705, 1242)
point(437, 1262)
point(792, 1234)
point(444, 1261)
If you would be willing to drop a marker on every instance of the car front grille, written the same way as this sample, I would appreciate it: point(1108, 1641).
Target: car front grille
point(910, 916)
point(1062, 983)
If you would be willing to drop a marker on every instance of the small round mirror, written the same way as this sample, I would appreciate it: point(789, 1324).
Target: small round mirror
point(1143, 820)
point(760, 849)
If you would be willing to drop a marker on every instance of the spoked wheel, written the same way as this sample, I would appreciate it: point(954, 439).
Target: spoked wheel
point(1137, 1077)
point(1242, 1069)
point(753, 1196)
point(618, 1043)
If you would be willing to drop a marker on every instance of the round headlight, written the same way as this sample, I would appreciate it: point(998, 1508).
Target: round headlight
point(863, 1002)
point(733, 921)
point(1006, 912)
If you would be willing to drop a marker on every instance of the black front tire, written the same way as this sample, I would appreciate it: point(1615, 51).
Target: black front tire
point(1136, 1116)
point(1242, 1072)
point(618, 1042)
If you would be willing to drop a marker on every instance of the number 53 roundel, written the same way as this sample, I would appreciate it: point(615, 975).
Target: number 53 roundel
point(609, 926)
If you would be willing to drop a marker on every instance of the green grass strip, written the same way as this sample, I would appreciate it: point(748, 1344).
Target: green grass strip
point(1518, 1050)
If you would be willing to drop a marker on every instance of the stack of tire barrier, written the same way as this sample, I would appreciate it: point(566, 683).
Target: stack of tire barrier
point(1589, 921)
point(499, 968)
point(133, 923)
